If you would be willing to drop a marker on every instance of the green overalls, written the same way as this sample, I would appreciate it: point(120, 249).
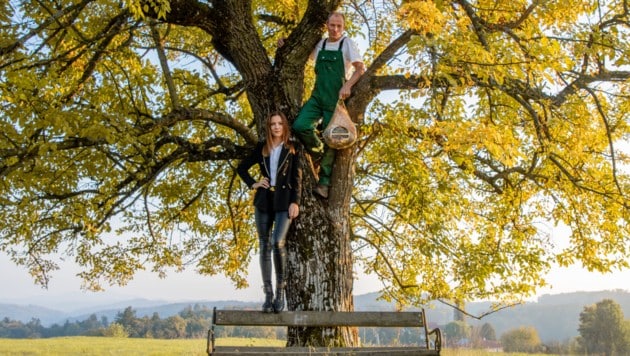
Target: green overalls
point(330, 74)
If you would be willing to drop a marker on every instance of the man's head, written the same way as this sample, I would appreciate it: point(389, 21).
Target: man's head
point(335, 26)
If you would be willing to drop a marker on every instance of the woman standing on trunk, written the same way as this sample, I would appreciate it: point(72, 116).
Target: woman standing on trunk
point(276, 202)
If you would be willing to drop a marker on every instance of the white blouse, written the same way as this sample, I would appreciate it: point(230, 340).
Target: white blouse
point(274, 158)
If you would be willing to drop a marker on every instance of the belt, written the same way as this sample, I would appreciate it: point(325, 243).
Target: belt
point(272, 189)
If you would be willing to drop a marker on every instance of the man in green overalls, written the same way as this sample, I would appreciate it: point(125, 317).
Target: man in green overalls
point(335, 57)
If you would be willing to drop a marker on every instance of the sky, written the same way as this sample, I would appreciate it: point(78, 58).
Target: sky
point(184, 286)
point(19, 288)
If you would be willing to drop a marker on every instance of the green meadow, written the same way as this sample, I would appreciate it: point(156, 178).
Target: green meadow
point(79, 345)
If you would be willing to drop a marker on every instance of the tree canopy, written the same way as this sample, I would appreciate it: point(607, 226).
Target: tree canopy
point(521, 339)
point(603, 329)
point(482, 125)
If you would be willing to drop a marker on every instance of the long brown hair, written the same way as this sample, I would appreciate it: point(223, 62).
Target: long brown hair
point(286, 133)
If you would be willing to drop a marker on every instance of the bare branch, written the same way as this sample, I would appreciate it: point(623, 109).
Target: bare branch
point(480, 316)
point(159, 47)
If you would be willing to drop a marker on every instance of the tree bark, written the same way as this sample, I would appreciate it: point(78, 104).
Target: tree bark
point(320, 257)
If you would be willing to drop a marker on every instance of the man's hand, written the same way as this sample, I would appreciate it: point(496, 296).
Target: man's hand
point(346, 89)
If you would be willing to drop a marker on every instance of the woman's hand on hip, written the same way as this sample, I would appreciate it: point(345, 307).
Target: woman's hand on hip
point(294, 210)
point(263, 183)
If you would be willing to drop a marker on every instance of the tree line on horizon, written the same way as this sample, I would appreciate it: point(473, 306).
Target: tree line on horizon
point(603, 330)
point(190, 323)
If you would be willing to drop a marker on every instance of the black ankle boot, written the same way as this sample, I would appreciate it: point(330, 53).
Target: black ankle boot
point(278, 303)
point(268, 306)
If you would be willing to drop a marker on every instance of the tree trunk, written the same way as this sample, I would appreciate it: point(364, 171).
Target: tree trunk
point(320, 257)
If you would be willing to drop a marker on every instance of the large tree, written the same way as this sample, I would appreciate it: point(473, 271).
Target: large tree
point(480, 122)
point(602, 329)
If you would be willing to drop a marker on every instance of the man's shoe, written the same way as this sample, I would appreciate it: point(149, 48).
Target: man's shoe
point(321, 190)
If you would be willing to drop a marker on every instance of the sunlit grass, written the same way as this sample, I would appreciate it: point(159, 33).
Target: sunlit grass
point(102, 346)
point(130, 346)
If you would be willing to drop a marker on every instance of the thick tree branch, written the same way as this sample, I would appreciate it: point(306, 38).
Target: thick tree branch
point(476, 22)
point(584, 80)
point(300, 43)
point(369, 85)
point(388, 53)
point(216, 117)
point(237, 41)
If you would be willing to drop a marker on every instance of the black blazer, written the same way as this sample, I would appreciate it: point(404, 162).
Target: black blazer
point(288, 187)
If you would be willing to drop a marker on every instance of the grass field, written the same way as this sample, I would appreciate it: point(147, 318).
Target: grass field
point(101, 346)
point(125, 346)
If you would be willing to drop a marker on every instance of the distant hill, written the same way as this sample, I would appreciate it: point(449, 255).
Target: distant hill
point(165, 310)
point(556, 317)
point(25, 313)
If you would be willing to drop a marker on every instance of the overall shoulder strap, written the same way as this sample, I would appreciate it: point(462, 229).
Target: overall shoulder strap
point(341, 44)
point(324, 44)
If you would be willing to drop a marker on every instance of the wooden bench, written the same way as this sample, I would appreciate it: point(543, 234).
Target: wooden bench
point(431, 344)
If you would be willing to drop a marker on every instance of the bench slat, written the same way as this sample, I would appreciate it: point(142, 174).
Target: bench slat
point(371, 351)
point(319, 318)
point(323, 319)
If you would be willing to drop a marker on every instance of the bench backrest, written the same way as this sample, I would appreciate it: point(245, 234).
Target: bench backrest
point(319, 318)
